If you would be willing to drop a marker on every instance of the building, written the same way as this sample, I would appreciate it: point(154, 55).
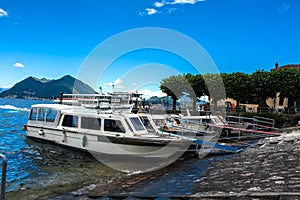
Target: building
point(280, 103)
point(288, 66)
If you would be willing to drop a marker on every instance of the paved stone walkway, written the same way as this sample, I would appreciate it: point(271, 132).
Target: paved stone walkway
point(270, 170)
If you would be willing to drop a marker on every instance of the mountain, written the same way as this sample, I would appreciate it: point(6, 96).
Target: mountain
point(3, 89)
point(32, 87)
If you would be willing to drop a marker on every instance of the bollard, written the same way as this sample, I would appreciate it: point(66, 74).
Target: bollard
point(3, 180)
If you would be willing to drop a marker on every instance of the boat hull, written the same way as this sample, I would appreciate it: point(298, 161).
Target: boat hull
point(151, 147)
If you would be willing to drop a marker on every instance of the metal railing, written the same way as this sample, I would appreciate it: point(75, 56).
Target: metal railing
point(265, 120)
point(270, 110)
point(3, 179)
point(256, 122)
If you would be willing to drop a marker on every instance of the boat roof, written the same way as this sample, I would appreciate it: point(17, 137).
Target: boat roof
point(53, 106)
point(79, 110)
point(200, 117)
point(88, 95)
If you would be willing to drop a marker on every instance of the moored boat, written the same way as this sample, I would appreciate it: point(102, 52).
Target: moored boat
point(112, 133)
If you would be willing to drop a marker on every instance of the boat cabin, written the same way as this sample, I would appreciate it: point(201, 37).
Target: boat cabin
point(168, 123)
point(83, 119)
point(195, 121)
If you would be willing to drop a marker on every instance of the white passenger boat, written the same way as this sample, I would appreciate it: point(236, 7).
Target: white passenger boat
point(203, 122)
point(187, 125)
point(112, 133)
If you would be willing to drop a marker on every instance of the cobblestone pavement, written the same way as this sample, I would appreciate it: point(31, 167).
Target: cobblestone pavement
point(272, 169)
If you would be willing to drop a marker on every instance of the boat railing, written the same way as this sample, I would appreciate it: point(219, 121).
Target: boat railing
point(256, 122)
point(3, 179)
point(191, 131)
point(265, 120)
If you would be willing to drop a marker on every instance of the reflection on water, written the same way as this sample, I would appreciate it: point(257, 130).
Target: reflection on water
point(33, 165)
point(47, 164)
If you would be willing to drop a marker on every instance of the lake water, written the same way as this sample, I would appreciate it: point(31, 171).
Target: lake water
point(38, 170)
point(34, 166)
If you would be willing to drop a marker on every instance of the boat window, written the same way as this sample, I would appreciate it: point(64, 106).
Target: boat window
point(170, 122)
point(51, 115)
point(128, 124)
point(147, 124)
point(33, 114)
point(113, 126)
point(137, 123)
point(90, 123)
point(159, 122)
point(70, 121)
point(178, 122)
point(41, 114)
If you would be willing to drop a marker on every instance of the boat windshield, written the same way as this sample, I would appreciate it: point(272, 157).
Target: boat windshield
point(147, 123)
point(159, 122)
point(137, 123)
point(43, 114)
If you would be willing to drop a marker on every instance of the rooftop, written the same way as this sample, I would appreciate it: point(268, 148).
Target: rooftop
point(290, 66)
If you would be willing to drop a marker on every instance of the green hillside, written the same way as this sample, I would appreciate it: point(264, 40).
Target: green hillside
point(33, 87)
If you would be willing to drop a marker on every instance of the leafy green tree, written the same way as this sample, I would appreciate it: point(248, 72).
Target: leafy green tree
point(175, 86)
point(286, 82)
point(198, 84)
point(214, 88)
point(260, 86)
point(237, 86)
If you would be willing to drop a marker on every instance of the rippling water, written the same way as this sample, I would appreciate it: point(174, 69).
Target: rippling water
point(33, 166)
point(38, 170)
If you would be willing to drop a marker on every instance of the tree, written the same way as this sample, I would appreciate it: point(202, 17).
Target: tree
point(237, 86)
point(260, 86)
point(215, 89)
point(198, 84)
point(175, 86)
point(286, 82)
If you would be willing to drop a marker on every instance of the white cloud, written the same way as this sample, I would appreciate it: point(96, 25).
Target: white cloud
point(159, 4)
point(107, 84)
point(149, 93)
point(113, 85)
point(19, 65)
point(7, 85)
point(119, 87)
point(118, 81)
point(3, 13)
point(150, 11)
point(185, 1)
point(164, 3)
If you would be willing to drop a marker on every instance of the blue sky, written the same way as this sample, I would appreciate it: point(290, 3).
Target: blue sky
point(51, 38)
